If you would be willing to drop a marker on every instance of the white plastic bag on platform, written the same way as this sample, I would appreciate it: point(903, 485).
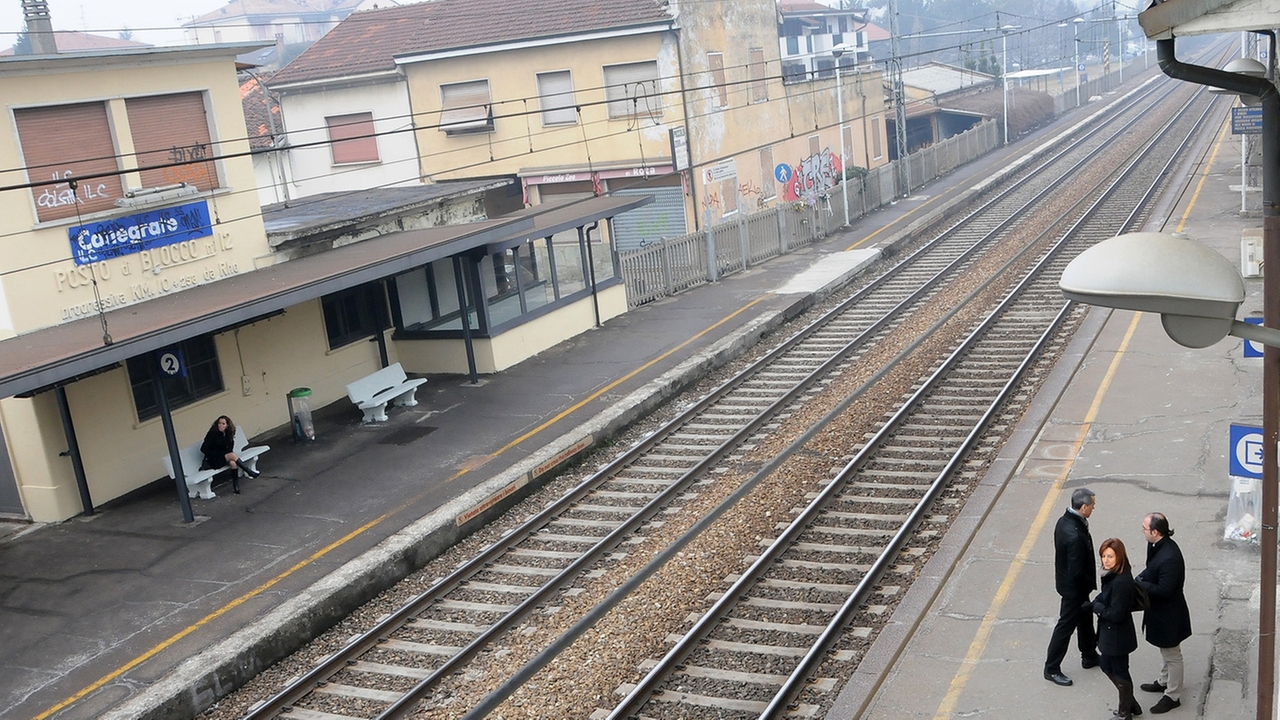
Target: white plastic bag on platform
point(1242, 510)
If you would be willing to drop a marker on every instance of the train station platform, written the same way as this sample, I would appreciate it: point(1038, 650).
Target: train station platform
point(1142, 422)
point(132, 613)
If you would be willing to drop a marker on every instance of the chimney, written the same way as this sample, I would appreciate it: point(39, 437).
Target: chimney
point(39, 27)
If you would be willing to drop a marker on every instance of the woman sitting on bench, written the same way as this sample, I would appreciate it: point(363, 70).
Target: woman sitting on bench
point(218, 449)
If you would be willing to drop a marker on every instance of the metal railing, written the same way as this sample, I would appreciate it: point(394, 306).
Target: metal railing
point(672, 265)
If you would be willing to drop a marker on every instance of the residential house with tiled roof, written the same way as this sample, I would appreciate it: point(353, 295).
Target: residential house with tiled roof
point(71, 41)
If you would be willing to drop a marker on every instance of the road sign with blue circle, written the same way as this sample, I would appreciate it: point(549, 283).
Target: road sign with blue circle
point(1246, 451)
point(1253, 349)
point(782, 173)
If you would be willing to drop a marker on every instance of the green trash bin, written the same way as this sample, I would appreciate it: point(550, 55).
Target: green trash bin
point(300, 414)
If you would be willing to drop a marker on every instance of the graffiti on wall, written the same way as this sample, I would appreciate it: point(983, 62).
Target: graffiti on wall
point(814, 176)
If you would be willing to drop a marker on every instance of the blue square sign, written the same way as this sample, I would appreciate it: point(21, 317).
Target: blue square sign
point(1246, 451)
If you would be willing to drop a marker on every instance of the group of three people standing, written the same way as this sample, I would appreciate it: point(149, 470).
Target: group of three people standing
point(1166, 622)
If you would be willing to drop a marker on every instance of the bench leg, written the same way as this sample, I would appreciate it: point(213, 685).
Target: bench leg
point(375, 414)
point(201, 489)
point(408, 399)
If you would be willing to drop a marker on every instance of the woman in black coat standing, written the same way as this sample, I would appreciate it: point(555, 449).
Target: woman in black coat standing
point(1116, 637)
point(218, 449)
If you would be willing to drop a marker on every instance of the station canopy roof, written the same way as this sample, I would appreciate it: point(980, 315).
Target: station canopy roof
point(56, 355)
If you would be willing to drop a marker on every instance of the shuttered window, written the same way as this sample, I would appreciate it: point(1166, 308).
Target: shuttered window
point(759, 85)
point(555, 98)
point(465, 108)
point(719, 85)
point(729, 196)
point(172, 130)
point(633, 90)
point(352, 138)
point(69, 141)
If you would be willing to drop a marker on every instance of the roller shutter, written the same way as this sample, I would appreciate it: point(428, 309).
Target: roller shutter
point(172, 129)
point(69, 141)
point(662, 218)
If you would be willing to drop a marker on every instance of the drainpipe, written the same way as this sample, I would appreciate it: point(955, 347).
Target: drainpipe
point(591, 267)
point(1264, 89)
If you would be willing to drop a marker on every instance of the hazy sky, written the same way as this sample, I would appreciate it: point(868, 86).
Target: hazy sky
point(153, 21)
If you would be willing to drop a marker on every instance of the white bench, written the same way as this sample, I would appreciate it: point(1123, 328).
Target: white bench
point(372, 392)
point(199, 481)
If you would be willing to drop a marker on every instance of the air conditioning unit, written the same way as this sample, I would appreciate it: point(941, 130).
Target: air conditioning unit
point(1251, 254)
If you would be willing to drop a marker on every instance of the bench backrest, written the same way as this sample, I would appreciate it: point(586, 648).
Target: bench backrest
point(241, 442)
point(370, 385)
point(191, 456)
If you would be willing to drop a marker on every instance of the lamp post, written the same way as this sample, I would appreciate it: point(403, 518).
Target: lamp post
point(836, 52)
point(1004, 74)
point(1076, 23)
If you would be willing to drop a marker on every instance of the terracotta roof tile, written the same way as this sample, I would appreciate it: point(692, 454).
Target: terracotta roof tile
point(368, 42)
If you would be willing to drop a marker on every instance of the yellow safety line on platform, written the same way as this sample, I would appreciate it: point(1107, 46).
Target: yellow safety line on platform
point(979, 644)
point(372, 523)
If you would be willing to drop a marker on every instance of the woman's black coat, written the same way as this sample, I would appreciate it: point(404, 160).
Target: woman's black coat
point(1168, 621)
point(215, 447)
point(1114, 606)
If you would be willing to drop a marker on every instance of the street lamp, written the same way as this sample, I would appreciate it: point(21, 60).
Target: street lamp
point(1076, 23)
point(836, 52)
point(1004, 73)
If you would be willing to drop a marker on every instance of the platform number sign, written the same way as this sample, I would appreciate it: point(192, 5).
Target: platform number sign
point(1246, 451)
point(171, 363)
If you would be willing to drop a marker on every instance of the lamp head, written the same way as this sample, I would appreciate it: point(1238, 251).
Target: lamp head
point(840, 49)
point(1195, 289)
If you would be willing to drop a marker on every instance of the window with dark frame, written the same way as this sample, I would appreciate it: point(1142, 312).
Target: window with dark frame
point(353, 314)
point(203, 378)
point(352, 138)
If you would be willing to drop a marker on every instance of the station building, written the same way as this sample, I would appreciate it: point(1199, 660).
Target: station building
point(133, 225)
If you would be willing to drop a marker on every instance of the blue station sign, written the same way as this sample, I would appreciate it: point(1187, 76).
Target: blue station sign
point(122, 236)
point(1246, 120)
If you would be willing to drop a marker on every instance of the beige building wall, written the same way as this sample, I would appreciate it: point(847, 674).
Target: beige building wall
point(520, 141)
point(260, 364)
point(42, 286)
point(738, 138)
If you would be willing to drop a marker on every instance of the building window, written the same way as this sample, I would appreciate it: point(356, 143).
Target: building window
point(69, 141)
point(466, 108)
point(794, 72)
point(353, 314)
point(847, 135)
point(824, 67)
point(555, 98)
point(719, 84)
point(768, 183)
point(203, 378)
point(759, 83)
point(632, 90)
point(171, 140)
point(815, 144)
point(876, 124)
point(352, 138)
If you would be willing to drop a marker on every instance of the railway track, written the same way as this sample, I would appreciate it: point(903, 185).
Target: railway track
point(870, 511)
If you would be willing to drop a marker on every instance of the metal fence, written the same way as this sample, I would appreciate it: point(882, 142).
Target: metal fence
point(670, 266)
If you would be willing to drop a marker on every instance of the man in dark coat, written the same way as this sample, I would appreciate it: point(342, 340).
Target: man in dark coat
point(1168, 621)
point(1075, 576)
